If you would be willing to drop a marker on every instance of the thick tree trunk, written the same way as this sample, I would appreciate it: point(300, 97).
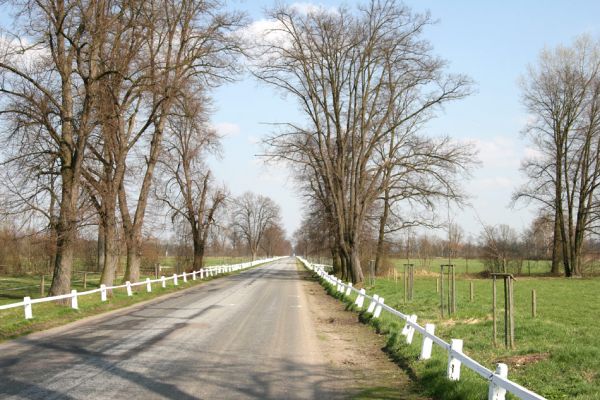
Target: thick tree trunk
point(66, 232)
point(380, 251)
point(198, 253)
point(556, 246)
point(100, 247)
point(134, 258)
point(111, 251)
point(355, 268)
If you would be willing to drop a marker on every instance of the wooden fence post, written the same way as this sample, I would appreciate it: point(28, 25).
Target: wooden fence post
point(27, 307)
point(372, 304)
point(378, 308)
point(533, 304)
point(410, 332)
point(148, 285)
point(128, 285)
point(42, 286)
point(163, 281)
point(427, 343)
point(495, 392)
point(74, 303)
point(471, 291)
point(456, 345)
point(102, 292)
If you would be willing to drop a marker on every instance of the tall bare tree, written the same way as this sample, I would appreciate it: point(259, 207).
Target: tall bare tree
point(193, 44)
point(253, 215)
point(351, 72)
point(185, 186)
point(57, 90)
point(562, 94)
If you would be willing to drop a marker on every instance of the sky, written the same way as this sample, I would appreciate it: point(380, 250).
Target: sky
point(491, 42)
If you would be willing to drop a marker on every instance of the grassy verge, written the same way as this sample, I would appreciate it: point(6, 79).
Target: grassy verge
point(469, 266)
point(52, 314)
point(557, 354)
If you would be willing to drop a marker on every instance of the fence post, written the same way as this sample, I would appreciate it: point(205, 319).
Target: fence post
point(163, 281)
point(27, 307)
point(42, 286)
point(410, 332)
point(349, 290)
point(377, 312)
point(184, 277)
point(74, 303)
point(201, 273)
point(148, 285)
point(372, 304)
point(102, 292)
point(128, 285)
point(175, 280)
point(533, 304)
point(427, 343)
point(194, 275)
point(496, 392)
point(360, 300)
point(85, 280)
point(471, 291)
point(456, 346)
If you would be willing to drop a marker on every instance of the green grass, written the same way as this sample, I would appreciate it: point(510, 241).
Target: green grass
point(51, 314)
point(557, 354)
point(470, 266)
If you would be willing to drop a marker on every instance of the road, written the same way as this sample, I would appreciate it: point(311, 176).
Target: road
point(246, 336)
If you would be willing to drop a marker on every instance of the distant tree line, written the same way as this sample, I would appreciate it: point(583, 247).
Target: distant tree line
point(105, 124)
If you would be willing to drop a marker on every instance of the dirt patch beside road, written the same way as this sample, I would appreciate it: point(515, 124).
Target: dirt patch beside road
point(354, 349)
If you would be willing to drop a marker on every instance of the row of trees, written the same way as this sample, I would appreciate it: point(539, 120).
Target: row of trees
point(105, 114)
point(367, 82)
point(562, 95)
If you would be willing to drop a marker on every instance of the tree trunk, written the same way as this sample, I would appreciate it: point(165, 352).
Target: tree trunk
point(134, 258)
point(66, 234)
point(379, 253)
point(355, 269)
point(198, 253)
point(100, 248)
point(556, 246)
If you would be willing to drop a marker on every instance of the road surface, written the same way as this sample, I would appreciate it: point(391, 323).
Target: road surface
point(246, 336)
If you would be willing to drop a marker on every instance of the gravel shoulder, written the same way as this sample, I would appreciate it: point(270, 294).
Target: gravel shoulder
point(354, 349)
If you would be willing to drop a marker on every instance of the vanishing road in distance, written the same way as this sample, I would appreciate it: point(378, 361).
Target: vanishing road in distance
point(246, 336)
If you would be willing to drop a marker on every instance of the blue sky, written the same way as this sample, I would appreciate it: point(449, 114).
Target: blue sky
point(492, 42)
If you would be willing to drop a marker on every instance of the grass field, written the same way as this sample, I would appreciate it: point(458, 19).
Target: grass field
point(470, 266)
point(557, 354)
point(47, 315)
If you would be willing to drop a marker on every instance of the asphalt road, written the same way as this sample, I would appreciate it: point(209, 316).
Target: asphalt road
point(247, 336)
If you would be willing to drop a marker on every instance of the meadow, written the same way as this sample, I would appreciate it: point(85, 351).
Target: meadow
point(47, 315)
point(557, 353)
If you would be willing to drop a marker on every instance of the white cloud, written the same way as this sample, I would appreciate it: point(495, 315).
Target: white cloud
point(496, 182)
point(499, 152)
point(228, 129)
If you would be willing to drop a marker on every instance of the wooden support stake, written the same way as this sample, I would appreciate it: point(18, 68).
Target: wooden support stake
point(471, 291)
point(533, 304)
point(85, 280)
point(442, 291)
point(511, 311)
point(495, 326)
point(42, 286)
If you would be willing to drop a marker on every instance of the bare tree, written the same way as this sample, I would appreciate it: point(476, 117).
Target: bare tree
point(361, 78)
point(57, 91)
point(185, 186)
point(562, 94)
point(192, 45)
point(253, 215)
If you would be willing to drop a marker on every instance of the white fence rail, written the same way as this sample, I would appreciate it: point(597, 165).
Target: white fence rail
point(203, 273)
point(499, 383)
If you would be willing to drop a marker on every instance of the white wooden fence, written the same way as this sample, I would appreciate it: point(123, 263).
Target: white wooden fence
point(499, 383)
point(74, 295)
